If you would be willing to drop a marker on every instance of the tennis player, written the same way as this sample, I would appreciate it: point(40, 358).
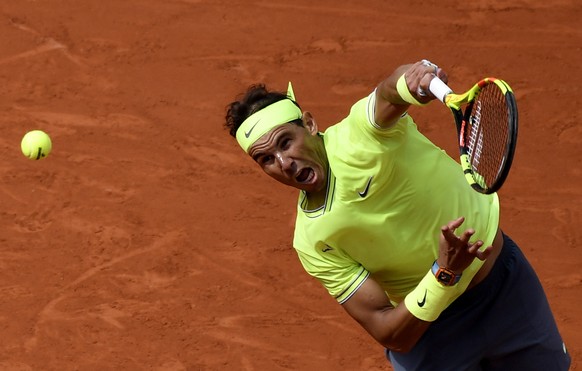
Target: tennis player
point(389, 226)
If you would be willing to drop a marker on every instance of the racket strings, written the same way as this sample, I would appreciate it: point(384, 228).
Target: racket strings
point(487, 135)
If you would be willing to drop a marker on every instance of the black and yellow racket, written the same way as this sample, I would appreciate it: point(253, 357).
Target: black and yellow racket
point(487, 130)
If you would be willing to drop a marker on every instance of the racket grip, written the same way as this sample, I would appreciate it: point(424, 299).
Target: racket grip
point(439, 89)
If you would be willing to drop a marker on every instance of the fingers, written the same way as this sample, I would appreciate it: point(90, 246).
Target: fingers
point(448, 230)
point(449, 235)
point(481, 254)
point(432, 68)
point(485, 253)
point(442, 75)
point(453, 224)
point(466, 235)
point(419, 76)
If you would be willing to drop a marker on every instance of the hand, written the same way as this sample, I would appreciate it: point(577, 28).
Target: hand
point(456, 252)
point(418, 78)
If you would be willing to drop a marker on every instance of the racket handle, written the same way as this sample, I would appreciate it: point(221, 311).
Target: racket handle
point(439, 89)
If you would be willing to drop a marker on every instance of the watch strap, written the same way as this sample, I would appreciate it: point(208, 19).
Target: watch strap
point(444, 275)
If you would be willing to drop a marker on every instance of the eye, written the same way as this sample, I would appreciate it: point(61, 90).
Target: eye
point(285, 143)
point(265, 160)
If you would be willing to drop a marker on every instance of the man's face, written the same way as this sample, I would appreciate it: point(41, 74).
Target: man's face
point(293, 155)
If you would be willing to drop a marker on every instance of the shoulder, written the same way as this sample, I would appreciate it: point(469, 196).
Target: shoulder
point(360, 126)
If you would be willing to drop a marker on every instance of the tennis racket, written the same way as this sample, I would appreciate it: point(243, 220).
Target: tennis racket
point(486, 120)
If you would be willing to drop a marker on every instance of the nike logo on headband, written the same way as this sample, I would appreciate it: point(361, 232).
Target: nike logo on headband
point(248, 133)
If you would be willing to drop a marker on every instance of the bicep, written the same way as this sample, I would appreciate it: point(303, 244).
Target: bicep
point(368, 302)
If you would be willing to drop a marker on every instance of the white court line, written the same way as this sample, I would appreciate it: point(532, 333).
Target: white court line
point(48, 46)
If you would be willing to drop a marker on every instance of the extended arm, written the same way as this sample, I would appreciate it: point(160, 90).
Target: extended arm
point(390, 105)
point(397, 328)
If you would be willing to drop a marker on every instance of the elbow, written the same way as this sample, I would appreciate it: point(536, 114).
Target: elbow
point(402, 348)
point(399, 349)
point(401, 338)
point(401, 345)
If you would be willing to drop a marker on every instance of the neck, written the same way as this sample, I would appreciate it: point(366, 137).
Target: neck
point(316, 200)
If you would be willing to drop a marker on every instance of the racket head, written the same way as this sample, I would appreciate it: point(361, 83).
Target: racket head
point(487, 133)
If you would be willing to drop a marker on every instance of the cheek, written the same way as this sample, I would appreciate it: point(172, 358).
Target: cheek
point(277, 174)
point(272, 171)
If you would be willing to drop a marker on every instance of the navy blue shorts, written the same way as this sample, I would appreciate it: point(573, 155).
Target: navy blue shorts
point(503, 323)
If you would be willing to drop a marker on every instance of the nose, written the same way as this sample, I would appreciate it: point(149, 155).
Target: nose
point(284, 161)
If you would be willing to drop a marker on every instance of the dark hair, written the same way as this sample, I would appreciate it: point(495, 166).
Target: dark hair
point(256, 98)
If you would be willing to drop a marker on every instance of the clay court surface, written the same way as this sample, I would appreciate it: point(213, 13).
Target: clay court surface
point(148, 241)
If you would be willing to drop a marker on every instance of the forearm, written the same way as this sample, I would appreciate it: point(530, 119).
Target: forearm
point(387, 91)
point(402, 88)
point(397, 329)
point(394, 328)
point(389, 105)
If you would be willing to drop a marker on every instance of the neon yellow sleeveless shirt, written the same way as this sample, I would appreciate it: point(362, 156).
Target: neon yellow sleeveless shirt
point(389, 192)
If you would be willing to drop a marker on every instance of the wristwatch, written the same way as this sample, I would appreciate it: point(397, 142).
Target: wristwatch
point(445, 276)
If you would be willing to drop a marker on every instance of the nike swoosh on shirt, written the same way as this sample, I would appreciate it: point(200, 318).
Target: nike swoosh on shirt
point(364, 193)
point(421, 303)
point(248, 133)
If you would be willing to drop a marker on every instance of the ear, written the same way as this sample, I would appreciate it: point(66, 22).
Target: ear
point(309, 123)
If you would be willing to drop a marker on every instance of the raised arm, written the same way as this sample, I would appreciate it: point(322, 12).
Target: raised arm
point(390, 104)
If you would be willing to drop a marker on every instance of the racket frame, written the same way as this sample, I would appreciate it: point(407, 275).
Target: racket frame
point(455, 102)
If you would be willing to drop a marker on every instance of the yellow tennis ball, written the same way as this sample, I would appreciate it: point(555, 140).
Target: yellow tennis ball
point(36, 145)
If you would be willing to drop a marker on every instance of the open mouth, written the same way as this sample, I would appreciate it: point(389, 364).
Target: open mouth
point(304, 176)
